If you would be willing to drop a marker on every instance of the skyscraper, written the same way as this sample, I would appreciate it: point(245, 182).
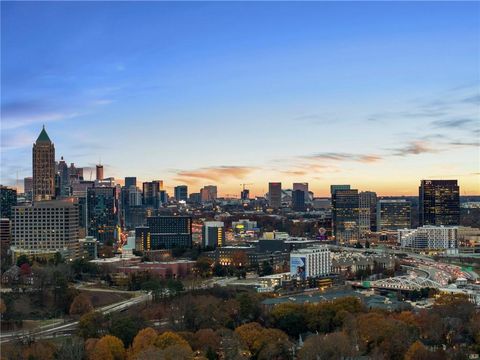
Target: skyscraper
point(208, 193)
point(43, 167)
point(275, 194)
point(367, 202)
point(393, 214)
point(8, 199)
point(213, 234)
point(103, 216)
point(181, 193)
point(345, 217)
point(151, 193)
point(130, 181)
point(298, 200)
point(99, 172)
point(439, 202)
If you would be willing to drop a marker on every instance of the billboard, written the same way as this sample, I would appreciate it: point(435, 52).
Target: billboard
point(298, 267)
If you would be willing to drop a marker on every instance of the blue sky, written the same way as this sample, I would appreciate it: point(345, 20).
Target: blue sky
point(379, 95)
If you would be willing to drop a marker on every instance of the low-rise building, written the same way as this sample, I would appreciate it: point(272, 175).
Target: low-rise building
point(429, 238)
point(310, 262)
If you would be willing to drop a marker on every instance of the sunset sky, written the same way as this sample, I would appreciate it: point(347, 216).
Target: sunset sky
point(377, 95)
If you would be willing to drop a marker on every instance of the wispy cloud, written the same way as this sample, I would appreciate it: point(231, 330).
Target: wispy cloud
point(338, 156)
point(455, 123)
point(414, 147)
point(214, 173)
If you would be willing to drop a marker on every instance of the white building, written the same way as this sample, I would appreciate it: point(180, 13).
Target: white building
point(45, 226)
point(429, 237)
point(310, 262)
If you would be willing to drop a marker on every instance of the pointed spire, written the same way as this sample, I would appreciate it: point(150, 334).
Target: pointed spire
point(43, 137)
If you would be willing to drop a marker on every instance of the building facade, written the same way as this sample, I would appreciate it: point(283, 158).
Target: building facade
point(213, 234)
point(429, 237)
point(43, 165)
point(439, 203)
point(345, 218)
point(8, 199)
point(367, 201)
point(45, 226)
point(167, 232)
point(181, 193)
point(310, 262)
point(275, 195)
point(393, 215)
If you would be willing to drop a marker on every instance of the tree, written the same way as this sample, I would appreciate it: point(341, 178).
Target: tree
point(249, 333)
point(40, 351)
point(71, 349)
point(290, 318)
point(144, 339)
point(206, 339)
point(23, 259)
point(331, 346)
point(108, 348)
point(81, 305)
point(266, 269)
point(125, 327)
point(203, 266)
point(169, 338)
point(3, 307)
point(417, 351)
point(91, 325)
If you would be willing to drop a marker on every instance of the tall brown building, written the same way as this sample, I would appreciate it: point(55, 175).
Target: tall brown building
point(43, 168)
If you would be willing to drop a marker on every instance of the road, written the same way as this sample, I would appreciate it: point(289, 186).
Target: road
point(49, 331)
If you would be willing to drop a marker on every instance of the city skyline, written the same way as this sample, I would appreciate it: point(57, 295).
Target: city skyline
point(232, 93)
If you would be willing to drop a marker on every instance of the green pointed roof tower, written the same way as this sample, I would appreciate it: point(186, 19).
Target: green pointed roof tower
point(43, 137)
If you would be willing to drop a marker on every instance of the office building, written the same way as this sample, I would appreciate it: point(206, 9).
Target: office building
point(167, 232)
point(5, 235)
point(439, 202)
point(181, 193)
point(345, 215)
point(208, 193)
point(429, 238)
point(63, 176)
point(103, 215)
point(243, 225)
point(195, 198)
point(45, 227)
point(43, 166)
point(130, 181)
point(151, 193)
point(245, 194)
point(213, 234)
point(99, 172)
point(8, 199)
point(275, 195)
point(88, 248)
point(310, 262)
point(334, 188)
point(298, 200)
point(367, 201)
point(393, 215)
point(303, 187)
point(28, 187)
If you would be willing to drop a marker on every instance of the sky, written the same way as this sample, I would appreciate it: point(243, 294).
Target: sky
point(378, 95)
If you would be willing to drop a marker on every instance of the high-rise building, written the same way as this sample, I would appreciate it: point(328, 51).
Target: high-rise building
point(167, 232)
point(8, 199)
point(181, 193)
point(5, 235)
point(45, 226)
point(310, 262)
point(245, 194)
point(439, 202)
point(393, 215)
point(304, 187)
point(213, 234)
point(195, 198)
point(99, 173)
point(298, 200)
point(130, 181)
point(63, 175)
point(28, 187)
point(208, 193)
point(151, 193)
point(345, 214)
point(103, 216)
point(429, 237)
point(43, 168)
point(334, 188)
point(367, 201)
point(275, 195)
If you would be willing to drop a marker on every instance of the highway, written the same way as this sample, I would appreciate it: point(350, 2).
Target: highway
point(52, 330)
